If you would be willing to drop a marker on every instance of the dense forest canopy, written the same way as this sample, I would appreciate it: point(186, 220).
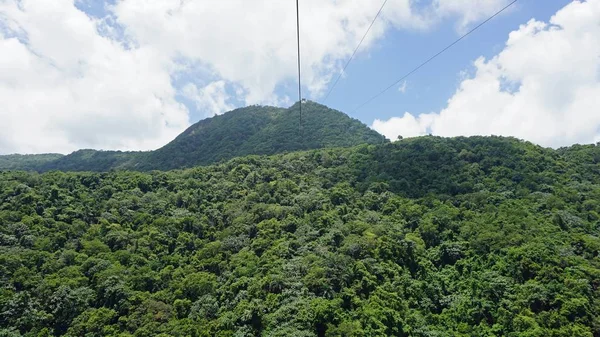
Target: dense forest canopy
point(481, 236)
point(259, 130)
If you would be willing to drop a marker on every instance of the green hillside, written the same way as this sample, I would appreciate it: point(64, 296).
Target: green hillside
point(480, 236)
point(94, 160)
point(258, 130)
point(27, 161)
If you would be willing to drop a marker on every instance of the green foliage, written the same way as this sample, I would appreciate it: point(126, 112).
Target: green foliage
point(93, 160)
point(481, 236)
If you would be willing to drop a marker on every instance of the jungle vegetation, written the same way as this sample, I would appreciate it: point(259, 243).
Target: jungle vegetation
point(480, 236)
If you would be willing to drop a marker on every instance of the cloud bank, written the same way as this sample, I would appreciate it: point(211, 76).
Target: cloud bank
point(87, 74)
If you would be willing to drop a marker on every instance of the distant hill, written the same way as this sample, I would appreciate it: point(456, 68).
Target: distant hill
point(94, 160)
point(260, 130)
point(27, 161)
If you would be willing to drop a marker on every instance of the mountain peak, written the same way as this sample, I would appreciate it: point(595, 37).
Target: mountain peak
point(262, 130)
point(308, 104)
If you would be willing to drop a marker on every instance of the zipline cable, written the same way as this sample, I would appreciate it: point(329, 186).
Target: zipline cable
point(355, 50)
point(431, 58)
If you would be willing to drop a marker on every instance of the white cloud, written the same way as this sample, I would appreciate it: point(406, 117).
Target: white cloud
point(469, 11)
point(405, 126)
point(402, 87)
point(544, 86)
point(64, 87)
point(211, 99)
point(253, 43)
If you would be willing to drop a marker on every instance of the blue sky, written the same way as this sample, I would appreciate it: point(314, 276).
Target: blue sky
point(428, 89)
point(133, 74)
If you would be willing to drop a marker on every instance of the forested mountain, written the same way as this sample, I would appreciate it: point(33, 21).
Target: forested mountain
point(481, 236)
point(261, 130)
